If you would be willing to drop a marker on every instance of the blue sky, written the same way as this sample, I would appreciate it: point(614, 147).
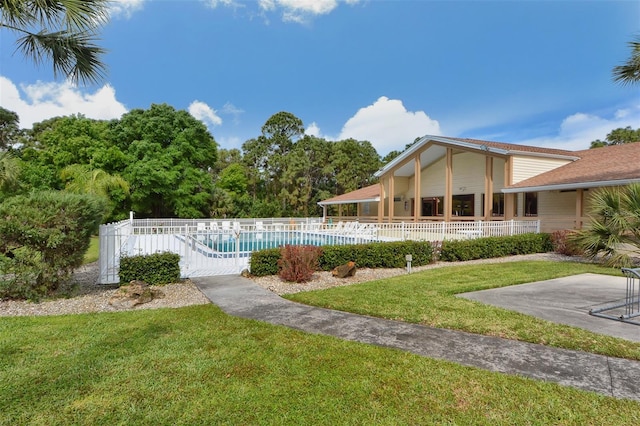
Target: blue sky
point(530, 72)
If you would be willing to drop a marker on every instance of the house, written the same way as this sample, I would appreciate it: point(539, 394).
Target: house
point(453, 179)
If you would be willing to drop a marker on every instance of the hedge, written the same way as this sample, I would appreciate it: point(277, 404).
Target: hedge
point(490, 247)
point(157, 268)
point(371, 255)
point(393, 254)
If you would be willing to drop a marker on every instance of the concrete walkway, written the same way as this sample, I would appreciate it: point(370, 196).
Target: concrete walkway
point(615, 377)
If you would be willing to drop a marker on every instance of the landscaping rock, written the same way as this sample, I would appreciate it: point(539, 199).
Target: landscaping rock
point(346, 270)
point(134, 294)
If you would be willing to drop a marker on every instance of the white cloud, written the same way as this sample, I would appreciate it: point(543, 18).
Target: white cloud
point(205, 113)
point(577, 131)
point(215, 3)
point(388, 125)
point(313, 130)
point(40, 101)
point(300, 11)
point(125, 8)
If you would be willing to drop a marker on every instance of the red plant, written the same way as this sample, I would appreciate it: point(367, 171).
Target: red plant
point(298, 263)
point(562, 243)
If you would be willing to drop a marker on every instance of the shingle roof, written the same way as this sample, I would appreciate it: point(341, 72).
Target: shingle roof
point(592, 167)
point(515, 147)
point(363, 194)
point(606, 164)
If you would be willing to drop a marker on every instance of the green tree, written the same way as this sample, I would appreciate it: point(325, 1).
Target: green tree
point(61, 31)
point(59, 142)
point(9, 129)
point(226, 157)
point(233, 179)
point(614, 231)
point(618, 136)
point(354, 163)
point(307, 176)
point(168, 157)
point(629, 72)
point(265, 155)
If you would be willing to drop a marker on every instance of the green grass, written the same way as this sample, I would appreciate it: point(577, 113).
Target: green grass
point(428, 297)
point(197, 365)
point(94, 249)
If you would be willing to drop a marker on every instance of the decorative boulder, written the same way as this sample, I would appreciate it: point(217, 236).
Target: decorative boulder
point(346, 270)
point(134, 294)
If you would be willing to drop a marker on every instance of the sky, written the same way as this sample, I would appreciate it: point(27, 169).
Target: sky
point(525, 72)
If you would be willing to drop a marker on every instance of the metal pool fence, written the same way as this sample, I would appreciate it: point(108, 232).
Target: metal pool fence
point(223, 247)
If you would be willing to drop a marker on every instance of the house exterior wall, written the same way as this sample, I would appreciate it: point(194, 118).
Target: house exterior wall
point(468, 178)
point(368, 209)
point(525, 166)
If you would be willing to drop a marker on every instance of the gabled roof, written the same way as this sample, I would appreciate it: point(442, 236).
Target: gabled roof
point(479, 145)
point(368, 193)
point(606, 166)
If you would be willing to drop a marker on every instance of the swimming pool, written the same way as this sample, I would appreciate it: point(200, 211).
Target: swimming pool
point(253, 241)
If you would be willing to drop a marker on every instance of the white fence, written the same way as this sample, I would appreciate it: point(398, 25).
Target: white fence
point(208, 247)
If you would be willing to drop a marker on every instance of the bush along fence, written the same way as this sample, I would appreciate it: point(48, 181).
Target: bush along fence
point(215, 247)
point(393, 254)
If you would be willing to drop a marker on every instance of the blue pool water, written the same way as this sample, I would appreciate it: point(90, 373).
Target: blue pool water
point(250, 241)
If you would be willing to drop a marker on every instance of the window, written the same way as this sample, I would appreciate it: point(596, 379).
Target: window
point(433, 206)
point(531, 204)
point(498, 204)
point(463, 205)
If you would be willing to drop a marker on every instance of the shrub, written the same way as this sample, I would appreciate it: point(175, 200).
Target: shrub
point(298, 263)
point(44, 236)
point(563, 242)
point(264, 262)
point(490, 247)
point(157, 268)
point(371, 255)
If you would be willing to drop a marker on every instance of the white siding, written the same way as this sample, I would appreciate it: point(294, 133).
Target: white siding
point(526, 167)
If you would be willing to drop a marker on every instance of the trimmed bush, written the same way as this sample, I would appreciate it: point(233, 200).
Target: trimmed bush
point(298, 263)
point(264, 262)
point(157, 268)
point(490, 247)
point(372, 255)
point(43, 238)
point(377, 255)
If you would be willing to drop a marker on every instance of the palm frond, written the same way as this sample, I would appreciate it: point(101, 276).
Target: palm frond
point(72, 47)
point(72, 54)
point(629, 72)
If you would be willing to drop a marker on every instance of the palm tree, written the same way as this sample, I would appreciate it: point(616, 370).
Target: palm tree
point(9, 169)
point(82, 179)
point(614, 232)
point(62, 31)
point(629, 73)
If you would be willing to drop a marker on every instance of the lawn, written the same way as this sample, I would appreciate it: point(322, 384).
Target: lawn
point(198, 365)
point(428, 297)
point(93, 252)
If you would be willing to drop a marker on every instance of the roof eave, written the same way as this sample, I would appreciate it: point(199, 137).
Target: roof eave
point(571, 186)
point(416, 146)
point(543, 154)
point(363, 200)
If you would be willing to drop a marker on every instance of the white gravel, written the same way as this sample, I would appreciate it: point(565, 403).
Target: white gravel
point(87, 296)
